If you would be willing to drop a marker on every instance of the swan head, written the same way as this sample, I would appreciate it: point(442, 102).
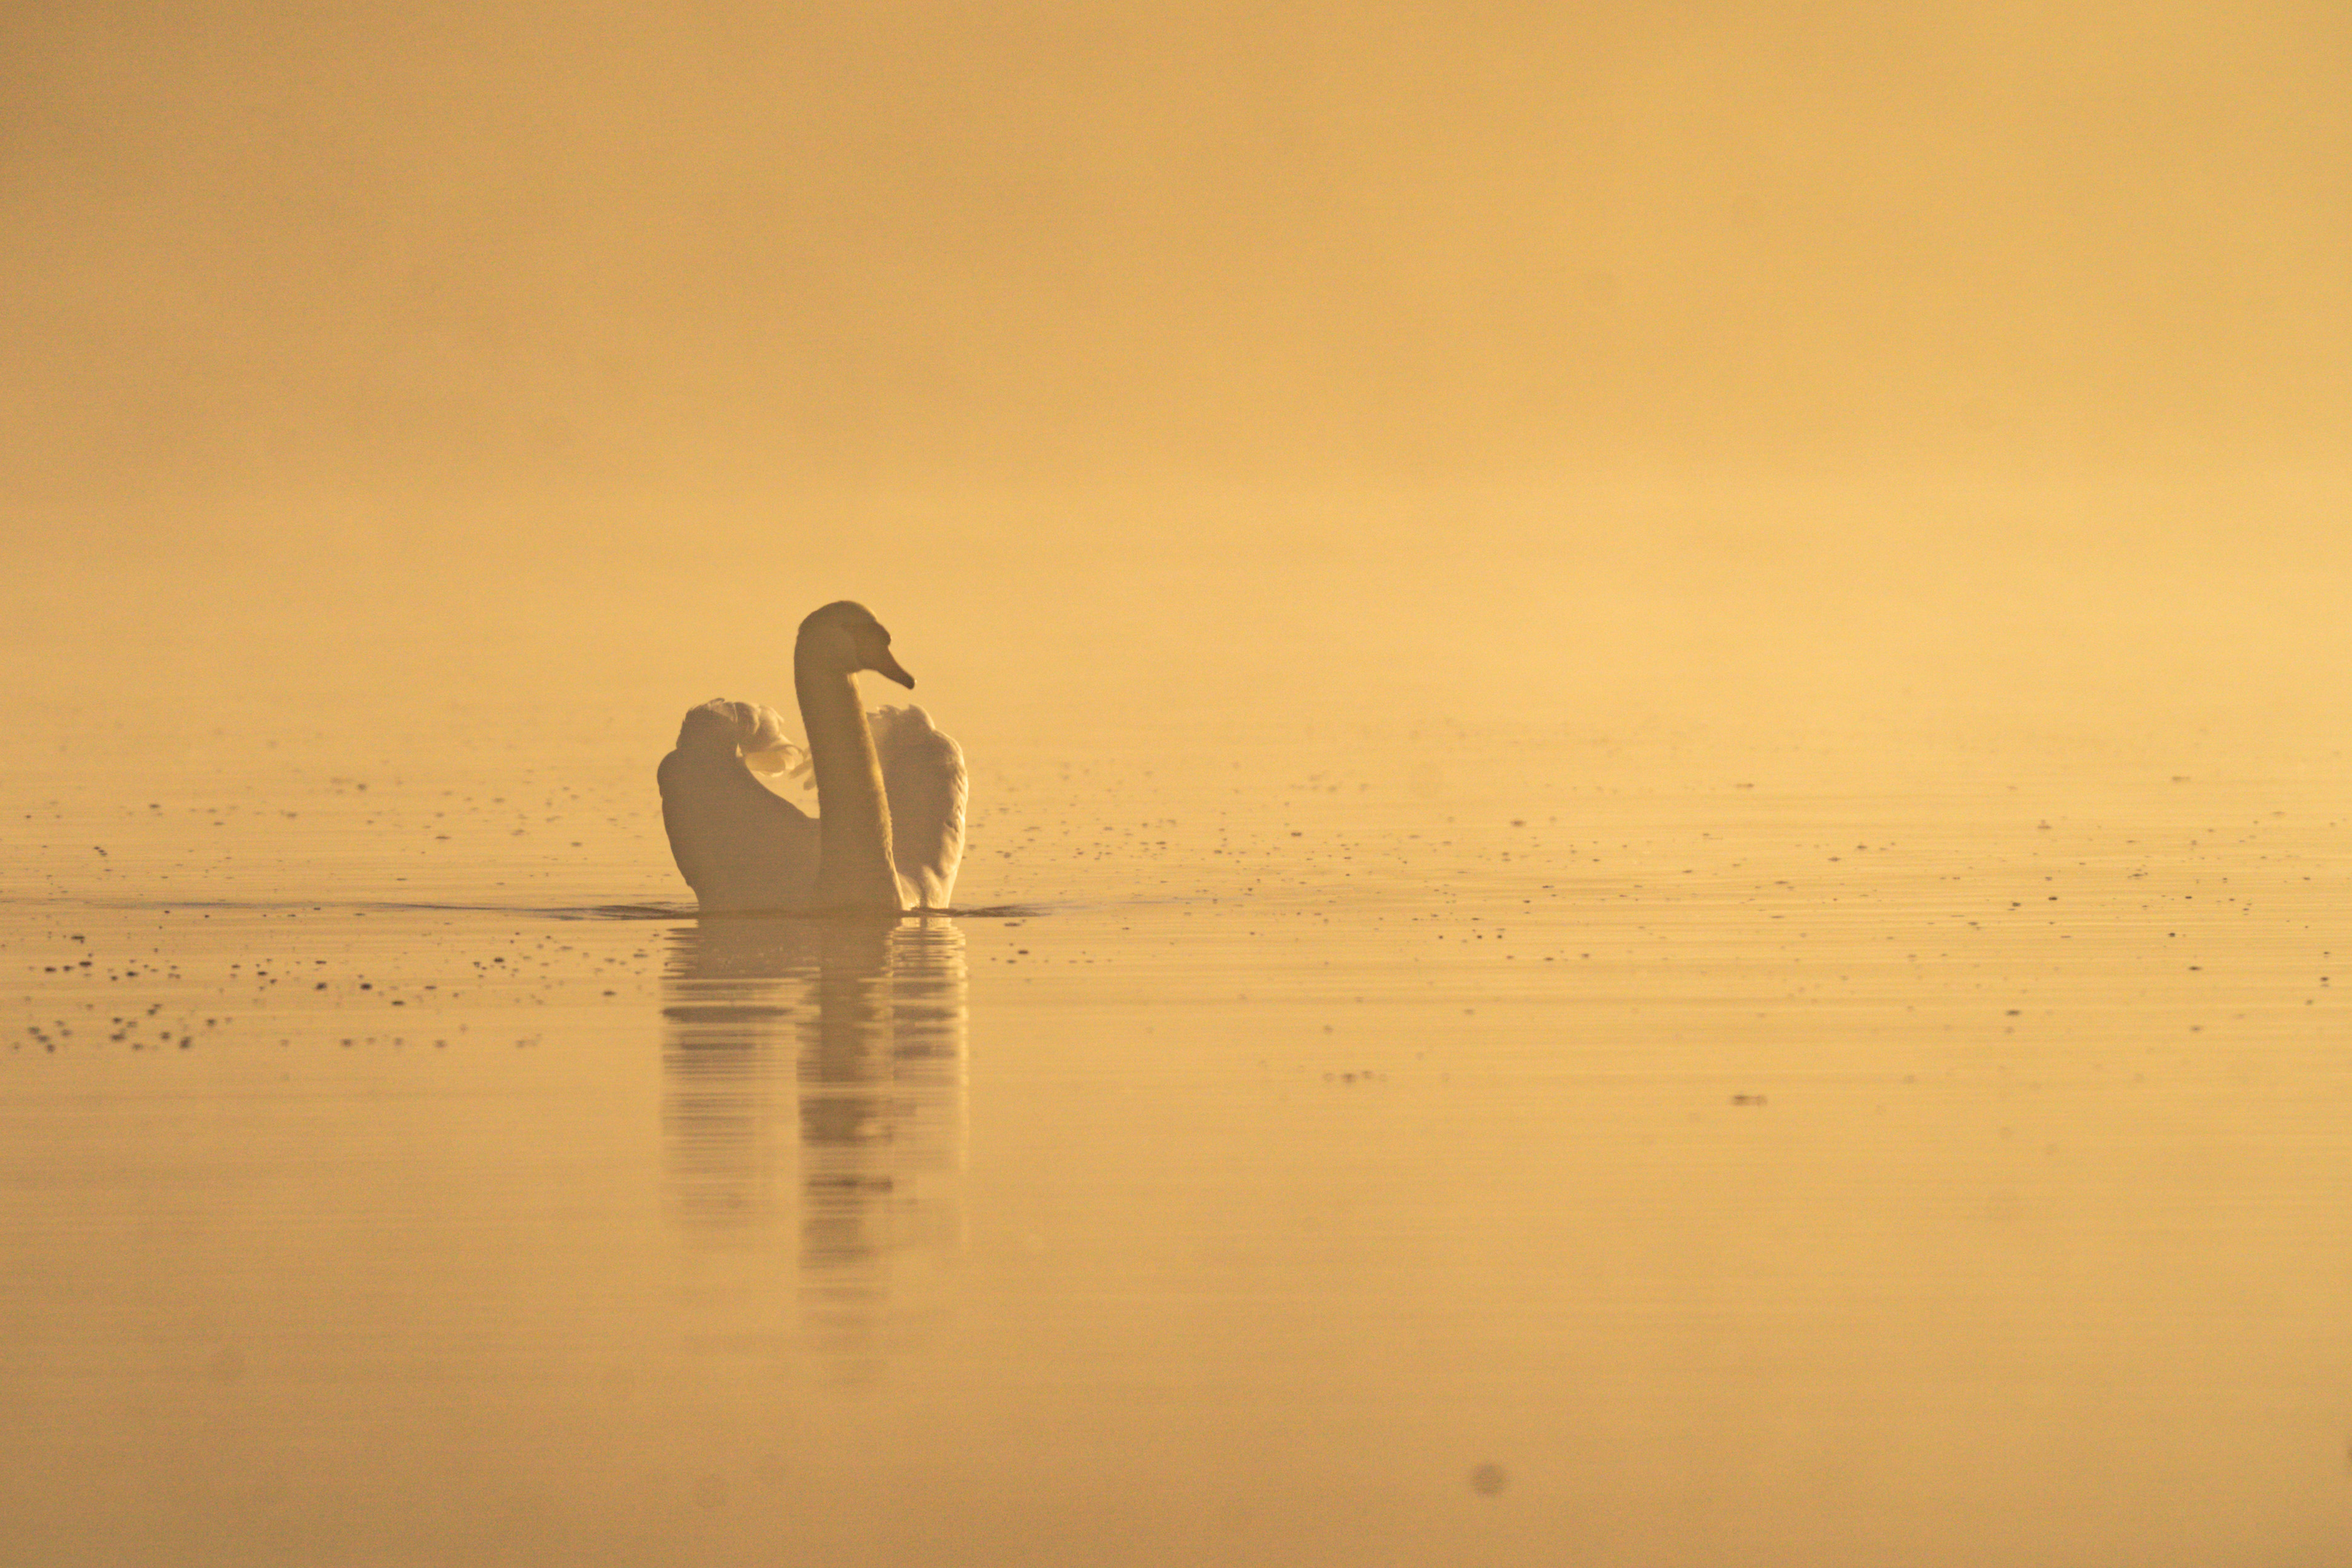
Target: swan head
point(845, 636)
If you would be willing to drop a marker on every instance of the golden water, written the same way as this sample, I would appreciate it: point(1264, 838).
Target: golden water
point(1712, 1047)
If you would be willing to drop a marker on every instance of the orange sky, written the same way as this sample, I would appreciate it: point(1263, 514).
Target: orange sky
point(427, 248)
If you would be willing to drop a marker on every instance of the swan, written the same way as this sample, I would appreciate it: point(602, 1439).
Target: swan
point(888, 832)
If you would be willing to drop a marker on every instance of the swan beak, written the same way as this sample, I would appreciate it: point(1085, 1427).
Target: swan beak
point(885, 664)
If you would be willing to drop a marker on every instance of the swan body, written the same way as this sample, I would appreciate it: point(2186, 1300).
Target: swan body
point(888, 833)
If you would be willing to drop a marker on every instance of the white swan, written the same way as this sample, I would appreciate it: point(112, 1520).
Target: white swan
point(888, 833)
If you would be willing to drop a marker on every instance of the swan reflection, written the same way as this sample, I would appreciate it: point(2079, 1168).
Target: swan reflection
point(849, 1034)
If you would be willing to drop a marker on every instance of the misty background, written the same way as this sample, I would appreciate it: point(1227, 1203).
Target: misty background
point(1813, 357)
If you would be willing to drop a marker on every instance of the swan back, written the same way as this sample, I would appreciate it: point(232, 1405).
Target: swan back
point(923, 780)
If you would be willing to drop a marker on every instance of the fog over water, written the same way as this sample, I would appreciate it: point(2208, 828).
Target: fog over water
point(1215, 327)
point(918, 244)
point(1657, 715)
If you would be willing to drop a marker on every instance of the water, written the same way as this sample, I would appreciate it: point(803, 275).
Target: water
point(1521, 1133)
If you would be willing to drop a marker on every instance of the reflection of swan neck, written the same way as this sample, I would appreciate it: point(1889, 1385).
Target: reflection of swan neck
point(854, 867)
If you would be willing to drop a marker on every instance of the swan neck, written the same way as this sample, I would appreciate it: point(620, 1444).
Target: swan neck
point(854, 868)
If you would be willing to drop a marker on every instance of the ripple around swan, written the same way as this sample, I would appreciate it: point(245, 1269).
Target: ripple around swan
point(663, 912)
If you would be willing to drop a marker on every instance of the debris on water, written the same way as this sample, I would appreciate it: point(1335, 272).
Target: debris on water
point(1488, 1480)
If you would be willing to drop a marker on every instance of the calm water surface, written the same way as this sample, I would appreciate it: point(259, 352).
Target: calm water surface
point(1356, 1143)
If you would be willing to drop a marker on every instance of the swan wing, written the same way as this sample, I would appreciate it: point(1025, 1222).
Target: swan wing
point(738, 844)
point(923, 780)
